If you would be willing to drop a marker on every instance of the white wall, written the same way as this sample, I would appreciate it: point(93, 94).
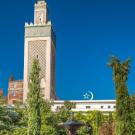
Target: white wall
point(87, 105)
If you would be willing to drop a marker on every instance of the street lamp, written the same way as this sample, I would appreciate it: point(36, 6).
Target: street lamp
point(72, 125)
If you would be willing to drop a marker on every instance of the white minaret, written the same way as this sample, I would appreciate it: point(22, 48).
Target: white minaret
point(40, 43)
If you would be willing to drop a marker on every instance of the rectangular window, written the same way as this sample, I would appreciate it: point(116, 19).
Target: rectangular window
point(102, 107)
point(88, 107)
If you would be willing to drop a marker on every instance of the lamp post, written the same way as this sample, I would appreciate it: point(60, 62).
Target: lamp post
point(71, 125)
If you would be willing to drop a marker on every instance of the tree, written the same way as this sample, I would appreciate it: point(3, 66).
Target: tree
point(99, 120)
point(48, 119)
point(63, 114)
point(69, 105)
point(34, 100)
point(108, 124)
point(5, 120)
point(93, 118)
point(120, 76)
point(2, 100)
point(132, 108)
point(20, 131)
point(21, 124)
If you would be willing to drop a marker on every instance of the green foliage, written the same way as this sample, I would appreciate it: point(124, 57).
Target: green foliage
point(83, 131)
point(48, 119)
point(22, 116)
point(64, 113)
point(120, 76)
point(21, 125)
point(69, 105)
point(132, 108)
point(20, 131)
point(2, 100)
point(9, 120)
point(34, 100)
point(37, 118)
point(93, 118)
point(110, 124)
point(48, 130)
point(5, 120)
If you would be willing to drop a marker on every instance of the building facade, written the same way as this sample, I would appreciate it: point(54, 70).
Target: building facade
point(1, 92)
point(88, 105)
point(40, 44)
point(15, 91)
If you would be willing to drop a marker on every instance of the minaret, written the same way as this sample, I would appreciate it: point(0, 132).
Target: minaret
point(40, 43)
point(40, 13)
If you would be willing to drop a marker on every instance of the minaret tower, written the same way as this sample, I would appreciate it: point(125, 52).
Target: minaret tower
point(40, 43)
point(40, 13)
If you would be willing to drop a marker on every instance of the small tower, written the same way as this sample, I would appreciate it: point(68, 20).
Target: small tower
point(40, 43)
point(40, 13)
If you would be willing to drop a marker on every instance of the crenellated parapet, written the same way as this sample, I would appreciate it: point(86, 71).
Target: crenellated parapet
point(29, 24)
point(34, 30)
point(32, 24)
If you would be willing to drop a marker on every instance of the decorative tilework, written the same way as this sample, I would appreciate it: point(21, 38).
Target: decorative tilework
point(37, 49)
point(37, 31)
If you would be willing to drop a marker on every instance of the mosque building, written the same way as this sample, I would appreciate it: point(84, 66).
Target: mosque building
point(40, 42)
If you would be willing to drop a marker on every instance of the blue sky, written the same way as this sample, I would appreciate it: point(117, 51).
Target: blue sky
point(88, 32)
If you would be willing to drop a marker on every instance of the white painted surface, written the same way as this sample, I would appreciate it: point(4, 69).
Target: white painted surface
point(87, 105)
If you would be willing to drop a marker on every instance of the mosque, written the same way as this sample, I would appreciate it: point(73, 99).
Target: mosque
point(40, 42)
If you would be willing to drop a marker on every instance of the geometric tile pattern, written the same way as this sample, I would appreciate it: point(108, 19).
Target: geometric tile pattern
point(38, 31)
point(37, 49)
